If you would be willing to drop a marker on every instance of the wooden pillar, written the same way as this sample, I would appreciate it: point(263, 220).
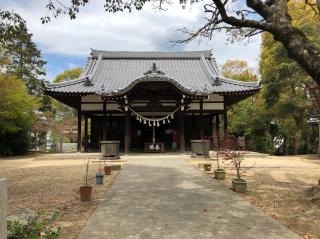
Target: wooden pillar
point(201, 119)
point(192, 127)
point(181, 131)
point(225, 122)
point(211, 130)
point(218, 129)
point(92, 131)
point(86, 137)
point(127, 132)
point(104, 121)
point(79, 128)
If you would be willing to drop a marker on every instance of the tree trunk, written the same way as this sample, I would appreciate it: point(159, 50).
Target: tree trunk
point(297, 135)
point(299, 48)
point(297, 140)
point(319, 137)
point(61, 144)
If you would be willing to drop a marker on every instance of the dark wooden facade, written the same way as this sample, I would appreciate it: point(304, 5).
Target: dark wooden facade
point(117, 122)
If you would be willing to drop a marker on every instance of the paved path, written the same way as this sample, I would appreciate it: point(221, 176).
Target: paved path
point(166, 197)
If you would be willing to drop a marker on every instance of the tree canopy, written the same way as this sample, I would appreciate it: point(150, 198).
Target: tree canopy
point(67, 75)
point(288, 98)
point(240, 19)
point(16, 115)
point(25, 58)
point(238, 70)
point(23, 105)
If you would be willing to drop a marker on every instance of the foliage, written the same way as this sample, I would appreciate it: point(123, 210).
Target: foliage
point(248, 117)
point(238, 70)
point(34, 229)
point(239, 19)
point(64, 119)
point(67, 75)
point(25, 58)
point(290, 94)
point(16, 115)
point(20, 59)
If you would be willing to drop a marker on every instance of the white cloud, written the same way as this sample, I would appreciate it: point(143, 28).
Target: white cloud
point(144, 30)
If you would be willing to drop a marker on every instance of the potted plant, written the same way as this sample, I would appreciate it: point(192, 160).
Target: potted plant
point(236, 157)
point(207, 166)
point(86, 190)
point(107, 169)
point(99, 174)
point(219, 173)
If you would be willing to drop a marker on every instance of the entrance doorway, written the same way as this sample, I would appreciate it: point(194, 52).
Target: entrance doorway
point(142, 134)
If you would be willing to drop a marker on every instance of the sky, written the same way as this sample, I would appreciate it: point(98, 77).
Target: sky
point(66, 43)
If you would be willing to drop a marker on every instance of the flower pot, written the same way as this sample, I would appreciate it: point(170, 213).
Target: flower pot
point(99, 178)
point(207, 167)
point(107, 170)
point(220, 174)
point(85, 193)
point(239, 185)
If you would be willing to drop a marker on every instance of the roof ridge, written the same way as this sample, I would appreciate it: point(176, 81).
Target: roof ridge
point(241, 83)
point(65, 83)
point(151, 54)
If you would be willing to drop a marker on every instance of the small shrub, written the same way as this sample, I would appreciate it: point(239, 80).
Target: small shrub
point(33, 228)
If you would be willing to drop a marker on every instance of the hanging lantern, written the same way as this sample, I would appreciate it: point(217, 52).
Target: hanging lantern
point(154, 123)
point(164, 121)
point(137, 117)
point(182, 107)
point(150, 124)
point(140, 119)
point(168, 120)
point(126, 108)
point(172, 116)
point(144, 121)
point(158, 124)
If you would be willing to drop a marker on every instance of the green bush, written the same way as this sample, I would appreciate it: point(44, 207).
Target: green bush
point(34, 228)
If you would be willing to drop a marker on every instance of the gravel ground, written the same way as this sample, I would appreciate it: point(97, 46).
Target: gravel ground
point(53, 186)
point(278, 186)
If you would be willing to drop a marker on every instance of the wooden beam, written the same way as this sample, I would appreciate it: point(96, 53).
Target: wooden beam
point(181, 131)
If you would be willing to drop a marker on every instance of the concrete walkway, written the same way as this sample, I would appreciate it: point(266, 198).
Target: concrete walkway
point(166, 197)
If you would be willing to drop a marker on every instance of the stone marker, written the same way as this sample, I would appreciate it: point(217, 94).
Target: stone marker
point(3, 208)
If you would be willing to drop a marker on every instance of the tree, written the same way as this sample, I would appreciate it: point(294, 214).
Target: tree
point(16, 115)
point(238, 70)
point(290, 94)
point(17, 44)
point(248, 118)
point(64, 120)
point(238, 18)
point(67, 75)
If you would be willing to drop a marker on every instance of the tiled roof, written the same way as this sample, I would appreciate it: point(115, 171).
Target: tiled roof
point(114, 72)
